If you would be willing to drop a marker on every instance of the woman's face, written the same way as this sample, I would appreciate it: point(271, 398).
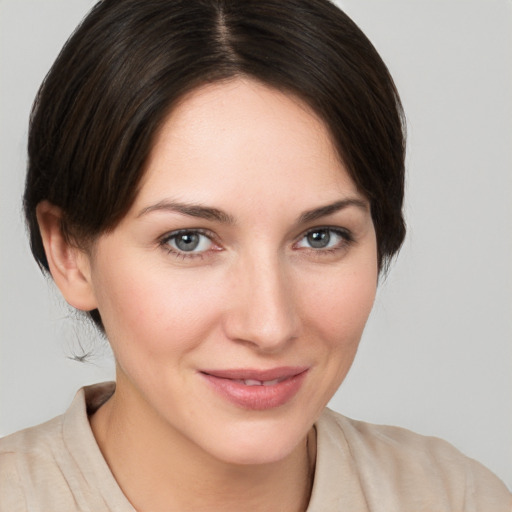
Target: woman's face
point(235, 291)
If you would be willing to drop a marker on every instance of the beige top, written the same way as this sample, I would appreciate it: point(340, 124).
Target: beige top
point(58, 467)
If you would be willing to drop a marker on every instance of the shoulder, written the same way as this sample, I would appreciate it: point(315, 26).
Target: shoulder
point(395, 443)
point(32, 439)
point(391, 460)
point(34, 443)
point(57, 465)
point(25, 456)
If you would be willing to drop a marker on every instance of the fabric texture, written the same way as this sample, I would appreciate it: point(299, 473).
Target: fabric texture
point(58, 467)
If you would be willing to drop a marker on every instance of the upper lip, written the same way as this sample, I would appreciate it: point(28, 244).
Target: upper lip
point(281, 373)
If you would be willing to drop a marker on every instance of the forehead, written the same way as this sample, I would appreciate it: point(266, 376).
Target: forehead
point(225, 139)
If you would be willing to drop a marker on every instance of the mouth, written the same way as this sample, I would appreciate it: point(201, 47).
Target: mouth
point(256, 389)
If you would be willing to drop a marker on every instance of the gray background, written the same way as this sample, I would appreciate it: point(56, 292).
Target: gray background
point(436, 356)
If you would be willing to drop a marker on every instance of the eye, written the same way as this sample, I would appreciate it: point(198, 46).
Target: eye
point(324, 238)
point(187, 241)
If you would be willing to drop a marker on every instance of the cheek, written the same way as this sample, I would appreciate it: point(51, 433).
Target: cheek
point(340, 306)
point(154, 310)
point(335, 313)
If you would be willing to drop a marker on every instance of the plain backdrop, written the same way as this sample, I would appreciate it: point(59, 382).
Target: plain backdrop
point(436, 356)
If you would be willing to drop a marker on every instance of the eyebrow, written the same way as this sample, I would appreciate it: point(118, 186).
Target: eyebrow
point(209, 213)
point(192, 210)
point(322, 211)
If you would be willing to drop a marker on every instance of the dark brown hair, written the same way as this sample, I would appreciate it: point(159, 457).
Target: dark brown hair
point(97, 112)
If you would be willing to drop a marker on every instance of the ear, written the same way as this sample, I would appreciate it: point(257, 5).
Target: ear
point(70, 266)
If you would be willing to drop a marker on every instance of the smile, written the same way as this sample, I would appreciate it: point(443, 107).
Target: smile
point(256, 389)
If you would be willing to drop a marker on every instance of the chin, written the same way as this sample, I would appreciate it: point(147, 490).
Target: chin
point(256, 455)
point(259, 442)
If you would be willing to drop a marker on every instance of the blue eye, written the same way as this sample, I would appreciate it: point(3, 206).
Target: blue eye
point(188, 241)
point(323, 238)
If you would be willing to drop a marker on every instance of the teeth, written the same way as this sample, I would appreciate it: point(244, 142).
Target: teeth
point(253, 382)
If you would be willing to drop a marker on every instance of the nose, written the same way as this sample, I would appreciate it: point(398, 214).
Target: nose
point(263, 310)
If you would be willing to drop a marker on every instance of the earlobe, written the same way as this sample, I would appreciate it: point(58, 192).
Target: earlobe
point(69, 265)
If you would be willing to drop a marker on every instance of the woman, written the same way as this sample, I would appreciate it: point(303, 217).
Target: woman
point(219, 184)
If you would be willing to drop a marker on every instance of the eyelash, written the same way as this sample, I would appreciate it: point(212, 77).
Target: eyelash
point(346, 240)
point(345, 235)
point(164, 243)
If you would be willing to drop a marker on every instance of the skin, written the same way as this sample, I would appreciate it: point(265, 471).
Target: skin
point(254, 294)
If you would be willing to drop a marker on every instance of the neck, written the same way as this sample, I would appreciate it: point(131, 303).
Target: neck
point(160, 469)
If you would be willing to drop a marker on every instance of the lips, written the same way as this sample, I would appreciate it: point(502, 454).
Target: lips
point(256, 389)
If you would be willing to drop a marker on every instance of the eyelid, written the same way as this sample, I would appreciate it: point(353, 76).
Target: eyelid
point(344, 233)
point(201, 231)
point(163, 242)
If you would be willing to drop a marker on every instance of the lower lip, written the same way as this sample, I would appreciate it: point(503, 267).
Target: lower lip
point(257, 398)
